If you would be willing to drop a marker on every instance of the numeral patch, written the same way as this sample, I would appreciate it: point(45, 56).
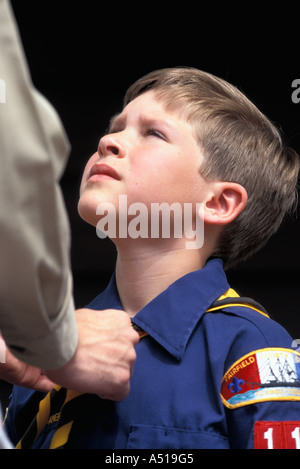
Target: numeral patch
point(277, 435)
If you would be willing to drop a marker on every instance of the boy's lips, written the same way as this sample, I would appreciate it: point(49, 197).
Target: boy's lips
point(105, 170)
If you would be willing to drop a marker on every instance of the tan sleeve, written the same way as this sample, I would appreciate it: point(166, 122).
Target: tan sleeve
point(36, 304)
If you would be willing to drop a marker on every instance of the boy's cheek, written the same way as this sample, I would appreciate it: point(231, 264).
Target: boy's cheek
point(87, 207)
point(87, 170)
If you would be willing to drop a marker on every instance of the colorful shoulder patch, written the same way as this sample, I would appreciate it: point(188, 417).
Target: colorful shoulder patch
point(270, 374)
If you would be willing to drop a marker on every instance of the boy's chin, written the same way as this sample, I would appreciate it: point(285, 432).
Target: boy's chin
point(87, 212)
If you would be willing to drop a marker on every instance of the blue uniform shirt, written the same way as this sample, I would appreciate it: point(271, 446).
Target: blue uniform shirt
point(221, 379)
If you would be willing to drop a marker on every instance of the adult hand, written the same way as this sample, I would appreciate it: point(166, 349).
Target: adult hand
point(105, 355)
point(15, 371)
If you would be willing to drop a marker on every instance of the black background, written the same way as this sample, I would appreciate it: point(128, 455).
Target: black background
point(84, 55)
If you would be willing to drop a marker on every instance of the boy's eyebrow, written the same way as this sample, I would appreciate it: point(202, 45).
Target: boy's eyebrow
point(147, 120)
point(113, 120)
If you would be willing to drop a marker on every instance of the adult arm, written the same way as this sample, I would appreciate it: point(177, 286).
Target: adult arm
point(37, 313)
point(37, 317)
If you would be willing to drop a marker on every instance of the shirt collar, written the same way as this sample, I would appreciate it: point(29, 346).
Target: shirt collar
point(171, 317)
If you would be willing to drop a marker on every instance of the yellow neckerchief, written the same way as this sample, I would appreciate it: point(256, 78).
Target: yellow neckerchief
point(232, 299)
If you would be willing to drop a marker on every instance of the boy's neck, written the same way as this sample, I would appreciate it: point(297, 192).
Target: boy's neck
point(143, 273)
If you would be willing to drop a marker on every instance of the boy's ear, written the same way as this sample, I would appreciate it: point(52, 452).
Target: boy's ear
point(226, 202)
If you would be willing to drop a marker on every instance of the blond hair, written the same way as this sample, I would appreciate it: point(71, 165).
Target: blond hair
point(240, 145)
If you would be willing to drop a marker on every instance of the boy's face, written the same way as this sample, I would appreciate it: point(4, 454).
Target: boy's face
point(150, 155)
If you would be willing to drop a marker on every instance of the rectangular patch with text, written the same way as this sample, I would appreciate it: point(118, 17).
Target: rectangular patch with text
point(277, 435)
point(262, 375)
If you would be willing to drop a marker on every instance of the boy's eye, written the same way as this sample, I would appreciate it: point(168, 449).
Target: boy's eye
point(155, 133)
point(149, 132)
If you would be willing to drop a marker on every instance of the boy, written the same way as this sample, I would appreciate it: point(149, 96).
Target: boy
point(212, 369)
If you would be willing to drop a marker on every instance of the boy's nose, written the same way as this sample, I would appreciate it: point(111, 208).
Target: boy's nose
point(109, 145)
